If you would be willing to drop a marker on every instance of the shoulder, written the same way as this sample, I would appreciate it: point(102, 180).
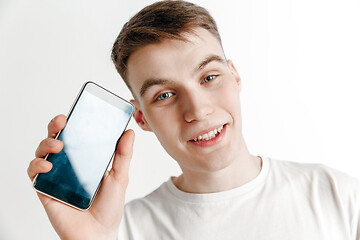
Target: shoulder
point(317, 176)
point(328, 191)
point(314, 170)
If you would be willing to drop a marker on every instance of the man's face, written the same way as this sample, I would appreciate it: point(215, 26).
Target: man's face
point(188, 95)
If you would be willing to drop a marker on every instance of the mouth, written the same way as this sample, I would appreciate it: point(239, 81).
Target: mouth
point(209, 135)
point(209, 138)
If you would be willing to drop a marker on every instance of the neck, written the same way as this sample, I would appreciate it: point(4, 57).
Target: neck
point(242, 169)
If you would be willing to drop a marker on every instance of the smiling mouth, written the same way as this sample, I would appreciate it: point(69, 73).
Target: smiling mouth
point(208, 136)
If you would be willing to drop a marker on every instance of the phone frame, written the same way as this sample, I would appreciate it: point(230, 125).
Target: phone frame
point(111, 159)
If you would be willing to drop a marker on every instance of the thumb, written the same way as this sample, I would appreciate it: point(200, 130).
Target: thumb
point(123, 154)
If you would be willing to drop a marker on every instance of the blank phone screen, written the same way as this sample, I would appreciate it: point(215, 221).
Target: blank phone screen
point(90, 137)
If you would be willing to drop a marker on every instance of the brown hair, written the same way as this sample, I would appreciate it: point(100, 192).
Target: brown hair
point(168, 19)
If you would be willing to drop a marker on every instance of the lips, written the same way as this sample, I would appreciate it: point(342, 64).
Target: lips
point(209, 138)
point(208, 134)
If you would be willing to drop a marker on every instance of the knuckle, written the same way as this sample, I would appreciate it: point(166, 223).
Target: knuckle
point(32, 166)
point(30, 171)
point(43, 142)
point(41, 146)
point(50, 124)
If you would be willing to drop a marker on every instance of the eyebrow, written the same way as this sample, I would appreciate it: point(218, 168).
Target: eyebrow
point(151, 82)
point(209, 59)
point(158, 81)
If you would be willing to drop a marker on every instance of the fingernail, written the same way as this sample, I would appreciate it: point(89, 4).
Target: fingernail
point(52, 142)
point(44, 164)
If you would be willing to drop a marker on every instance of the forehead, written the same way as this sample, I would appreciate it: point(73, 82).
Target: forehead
point(171, 59)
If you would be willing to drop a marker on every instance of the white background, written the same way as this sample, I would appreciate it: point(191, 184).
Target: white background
point(298, 59)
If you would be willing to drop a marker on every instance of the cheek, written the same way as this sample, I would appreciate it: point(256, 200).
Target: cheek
point(230, 94)
point(230, 102)
point(165, 129)
point(162, 122)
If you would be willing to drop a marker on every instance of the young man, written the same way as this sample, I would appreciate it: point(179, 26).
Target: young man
point(187, 93)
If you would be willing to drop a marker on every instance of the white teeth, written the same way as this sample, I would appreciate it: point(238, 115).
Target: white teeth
point(209, 135)
point(206, 136)
point(220, 128)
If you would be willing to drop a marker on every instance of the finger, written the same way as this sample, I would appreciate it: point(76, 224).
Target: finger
point(55, 125)
point(48, 145)
point(38, 165)
point(123, 154)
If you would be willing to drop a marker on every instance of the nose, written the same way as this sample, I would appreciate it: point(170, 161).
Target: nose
point(196, 106)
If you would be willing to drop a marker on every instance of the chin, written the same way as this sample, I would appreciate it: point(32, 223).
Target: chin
point(211, 164)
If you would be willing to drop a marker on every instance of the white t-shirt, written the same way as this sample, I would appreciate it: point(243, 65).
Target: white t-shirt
point(286, 200)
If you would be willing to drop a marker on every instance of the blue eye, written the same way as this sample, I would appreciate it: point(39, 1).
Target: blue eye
point(164, 96)
point(209, 78)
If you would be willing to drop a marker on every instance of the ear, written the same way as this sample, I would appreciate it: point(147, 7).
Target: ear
point(234, 72)
point(139, 117)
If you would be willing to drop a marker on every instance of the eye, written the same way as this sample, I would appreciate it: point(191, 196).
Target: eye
point(164, 96)
point(209, 78)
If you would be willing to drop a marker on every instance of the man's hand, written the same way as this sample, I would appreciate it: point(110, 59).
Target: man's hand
point(102, 220)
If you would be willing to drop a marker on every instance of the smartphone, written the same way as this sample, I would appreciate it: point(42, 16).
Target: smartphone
point(94, 125)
